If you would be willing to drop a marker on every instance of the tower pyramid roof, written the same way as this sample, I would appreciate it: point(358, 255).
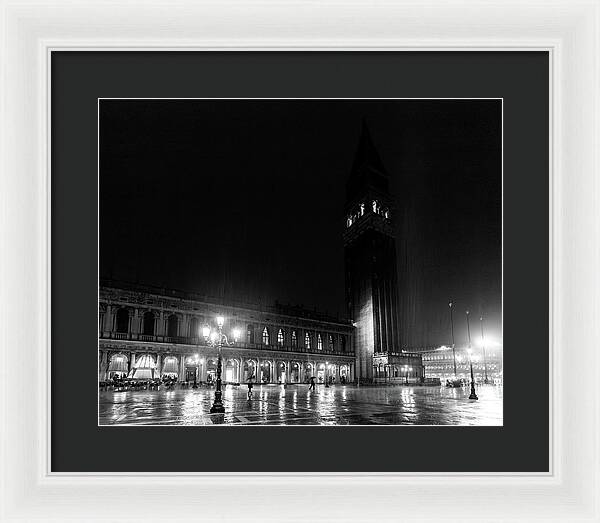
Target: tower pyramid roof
point(368, 171)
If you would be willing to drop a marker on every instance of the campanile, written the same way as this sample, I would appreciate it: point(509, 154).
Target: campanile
point(370, 257)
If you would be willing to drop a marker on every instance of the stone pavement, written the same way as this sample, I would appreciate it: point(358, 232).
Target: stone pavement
point(296, 405)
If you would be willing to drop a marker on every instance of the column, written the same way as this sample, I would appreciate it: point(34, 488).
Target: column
point(288, 371)
point(203, 368)
point(159, 364)
point(131, 361)
point(241, 371)
point(181, 376)
point(135, 322)
point(108, 319)
point(160, 324)
point(337, 373)
point(182, 325)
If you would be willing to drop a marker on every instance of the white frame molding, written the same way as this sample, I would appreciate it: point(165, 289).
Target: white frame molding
point(569, 29)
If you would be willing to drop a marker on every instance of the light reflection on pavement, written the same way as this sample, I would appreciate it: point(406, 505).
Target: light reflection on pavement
point(296, 405)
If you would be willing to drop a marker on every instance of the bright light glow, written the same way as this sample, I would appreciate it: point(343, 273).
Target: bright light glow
point(206, 331)
point(236, 334)
point(214, 336)
point(220, 321)
point(470, 351)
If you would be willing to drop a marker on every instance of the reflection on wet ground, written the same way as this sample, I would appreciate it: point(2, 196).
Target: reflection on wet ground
point(296, 405)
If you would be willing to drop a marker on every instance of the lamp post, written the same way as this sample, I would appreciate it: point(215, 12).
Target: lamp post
point(485, 374)
point(473, 395)
point(217, 339)
point(452, 332)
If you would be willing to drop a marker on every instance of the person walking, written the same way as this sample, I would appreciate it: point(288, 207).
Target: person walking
point(250, 385)
point(312, 383)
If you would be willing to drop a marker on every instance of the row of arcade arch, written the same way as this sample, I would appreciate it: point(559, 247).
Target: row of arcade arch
point(235, 370)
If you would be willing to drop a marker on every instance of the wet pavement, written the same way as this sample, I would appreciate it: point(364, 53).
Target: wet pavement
point(296, 405)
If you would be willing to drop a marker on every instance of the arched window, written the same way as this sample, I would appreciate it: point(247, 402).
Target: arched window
point(172, 326)
point(265, 336)
point(319, 342)
point(149, 323)
point(307, 340)
point(250, 334)
point(122, 320)
point(280, 338)
point(330, 342)
point(343, 340)
point(294, 339)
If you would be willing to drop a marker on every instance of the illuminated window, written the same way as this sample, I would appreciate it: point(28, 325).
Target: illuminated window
point(319, 342)
point(265, 336)
point(280, 338)
point(330, 342)
point(294, 339)
point(374, 205)
point(307, 340)
point(362, 209)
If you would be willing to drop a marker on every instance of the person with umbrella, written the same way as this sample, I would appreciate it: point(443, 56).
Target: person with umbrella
point(250, 385)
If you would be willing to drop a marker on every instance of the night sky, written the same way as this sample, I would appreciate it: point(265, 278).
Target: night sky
point(243, 200)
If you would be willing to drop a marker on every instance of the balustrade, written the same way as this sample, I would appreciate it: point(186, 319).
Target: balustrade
point(186, 340)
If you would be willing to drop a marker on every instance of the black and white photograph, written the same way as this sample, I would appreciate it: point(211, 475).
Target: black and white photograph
point(325, 262)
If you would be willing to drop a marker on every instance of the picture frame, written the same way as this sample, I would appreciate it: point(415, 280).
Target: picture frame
point(568, 30)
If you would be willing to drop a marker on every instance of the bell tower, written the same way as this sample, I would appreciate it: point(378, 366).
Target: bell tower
point(370, 257)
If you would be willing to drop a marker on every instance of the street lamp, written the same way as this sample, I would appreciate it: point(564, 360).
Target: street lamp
point(472, 396)
point(217, 339)
point(485, 379)
point(452, 332)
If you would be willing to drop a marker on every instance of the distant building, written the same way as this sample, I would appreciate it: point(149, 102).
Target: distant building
point(150, 332)
point(371, 269)
point(438, 362)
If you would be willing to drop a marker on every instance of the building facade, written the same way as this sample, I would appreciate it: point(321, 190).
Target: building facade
point(371, 267)
point(439, 363)
point(153, 333)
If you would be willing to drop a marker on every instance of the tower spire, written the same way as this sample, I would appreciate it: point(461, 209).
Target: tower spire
point(368, 171)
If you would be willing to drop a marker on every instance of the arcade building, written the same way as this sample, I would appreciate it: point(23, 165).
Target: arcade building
point(155, 333)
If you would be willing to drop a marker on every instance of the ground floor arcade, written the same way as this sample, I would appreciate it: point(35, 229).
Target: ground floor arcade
point(238, 366)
